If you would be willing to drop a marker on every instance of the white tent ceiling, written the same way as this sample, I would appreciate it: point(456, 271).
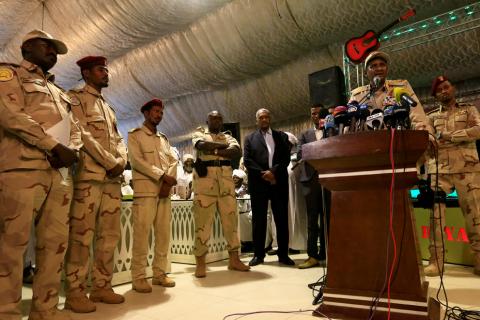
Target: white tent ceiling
point(234, 56)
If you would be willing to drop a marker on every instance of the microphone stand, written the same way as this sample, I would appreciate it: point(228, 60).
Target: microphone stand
point(323, 280)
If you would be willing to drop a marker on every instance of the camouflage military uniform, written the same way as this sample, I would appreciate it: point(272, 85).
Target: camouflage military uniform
point(96, 202)
point(151, 157)
point(384, 97)
point(215, 191)
point(459, 168)
point(30, 190)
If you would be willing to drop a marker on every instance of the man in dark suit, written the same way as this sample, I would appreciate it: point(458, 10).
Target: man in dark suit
point(266, 157)
point(315, 197)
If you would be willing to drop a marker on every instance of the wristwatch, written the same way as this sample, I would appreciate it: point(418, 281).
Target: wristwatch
point(215, 151)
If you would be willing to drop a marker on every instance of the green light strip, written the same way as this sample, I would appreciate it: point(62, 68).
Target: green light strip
point(454, 16)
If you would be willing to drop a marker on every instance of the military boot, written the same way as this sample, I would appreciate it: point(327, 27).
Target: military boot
point(234, 262)
point(141, 286)
point(52, 314)
point(201, 269)
point(80, 304)
point(106, 296)
point(435, 265)
point(164, 281)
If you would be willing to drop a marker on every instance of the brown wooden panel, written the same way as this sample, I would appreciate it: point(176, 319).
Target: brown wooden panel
point(360, 249)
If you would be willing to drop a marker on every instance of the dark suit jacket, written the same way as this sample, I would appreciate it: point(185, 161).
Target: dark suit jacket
point(255, 158)
point(307, 172)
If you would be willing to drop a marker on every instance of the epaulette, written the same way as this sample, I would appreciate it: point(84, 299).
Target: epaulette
point(201, 129)
point(61, 89)
point(7, 71)
point(434, 110)
point(9, 64)
point(359, 90)
point(464, 104)
point(397, 83)
point(133, 130)
point(228, 132)
point(78, 90)
point(162, 134)
point(73, 97)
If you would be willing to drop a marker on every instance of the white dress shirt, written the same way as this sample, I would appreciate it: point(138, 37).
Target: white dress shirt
point(318, 133)
point(267, 135)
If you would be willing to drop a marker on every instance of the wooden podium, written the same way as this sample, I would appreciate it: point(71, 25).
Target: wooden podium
point(357, 169)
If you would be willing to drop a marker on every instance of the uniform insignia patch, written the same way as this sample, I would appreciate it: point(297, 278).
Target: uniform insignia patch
point(6, 74)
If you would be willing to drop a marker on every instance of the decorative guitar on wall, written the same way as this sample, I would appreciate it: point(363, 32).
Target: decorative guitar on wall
point(357, 49)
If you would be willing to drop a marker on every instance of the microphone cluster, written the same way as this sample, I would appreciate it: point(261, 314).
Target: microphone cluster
point(355, 117)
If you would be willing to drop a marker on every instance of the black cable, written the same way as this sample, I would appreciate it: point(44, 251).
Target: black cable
point(244, 314)
point(322, 281)
point(458, 313)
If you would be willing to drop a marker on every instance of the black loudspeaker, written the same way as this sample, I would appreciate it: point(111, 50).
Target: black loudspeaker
point(327, 87)
point(234, 128)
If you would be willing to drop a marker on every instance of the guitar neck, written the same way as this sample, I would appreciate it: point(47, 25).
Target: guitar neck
point(388, 27)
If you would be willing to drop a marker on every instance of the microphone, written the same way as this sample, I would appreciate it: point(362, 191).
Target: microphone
point(363, 113)
point(402, 97)
point(330, 129)
point(388, 118)
point(341, 118)
point(375, 120)
point(321, 123)
point(353, 114)
point(376, 82)
point(400, 114)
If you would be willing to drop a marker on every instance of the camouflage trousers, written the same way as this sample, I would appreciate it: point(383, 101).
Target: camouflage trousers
point(95, 215)
point(148, 211)
point(204, 208)
point(42, 197)
point(468, 190)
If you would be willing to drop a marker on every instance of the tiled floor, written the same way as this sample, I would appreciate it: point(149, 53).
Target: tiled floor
point(267, 287)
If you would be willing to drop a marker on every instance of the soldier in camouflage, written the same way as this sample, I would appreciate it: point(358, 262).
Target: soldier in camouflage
point(154, 169)
point(457, 127)
point(214, 190)
point(39, 141)
point(95, 211)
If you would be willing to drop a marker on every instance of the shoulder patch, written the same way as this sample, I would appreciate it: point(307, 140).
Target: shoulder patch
point(133, 130)
point(6, 74)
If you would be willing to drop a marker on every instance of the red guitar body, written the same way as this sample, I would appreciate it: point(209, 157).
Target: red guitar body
point(357, 49)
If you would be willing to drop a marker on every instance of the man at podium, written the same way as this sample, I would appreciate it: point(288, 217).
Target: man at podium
point(380, 91)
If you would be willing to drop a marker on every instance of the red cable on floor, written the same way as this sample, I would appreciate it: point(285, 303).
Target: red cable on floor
point(392, 233)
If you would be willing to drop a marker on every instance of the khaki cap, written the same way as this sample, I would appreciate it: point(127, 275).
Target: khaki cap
point(375, 55)
point(40, 34)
